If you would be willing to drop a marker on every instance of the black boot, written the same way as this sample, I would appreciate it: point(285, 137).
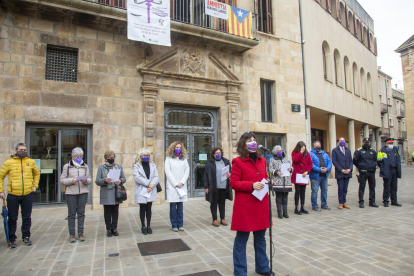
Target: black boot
point(285, 214)
point(144, 230)
point(297, 210)
point(303, 210)
point(109, 233)
point(279, 211)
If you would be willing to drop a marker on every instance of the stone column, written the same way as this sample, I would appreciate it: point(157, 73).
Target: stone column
point(366, 131)
point(351, 135)
point(233, 99)
point(332, 138)
point(378, 141)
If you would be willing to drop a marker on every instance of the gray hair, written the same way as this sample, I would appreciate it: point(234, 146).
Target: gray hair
point(140, 153)
point(76, 151)
point(276, 149)
point(20, 144)
point(316, 141)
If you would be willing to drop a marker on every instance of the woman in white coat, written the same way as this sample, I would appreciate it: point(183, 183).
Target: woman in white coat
point(177, 171)
point(146, 178)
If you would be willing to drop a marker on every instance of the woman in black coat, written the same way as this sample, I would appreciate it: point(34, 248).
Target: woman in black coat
point(217, 191)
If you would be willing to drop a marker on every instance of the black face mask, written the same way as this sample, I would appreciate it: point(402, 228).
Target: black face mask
point(367, 146)
point(21, 154)
point(318, 148)
point(110, 160)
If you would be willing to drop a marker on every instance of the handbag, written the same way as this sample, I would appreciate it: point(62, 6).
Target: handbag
point(159, 189)
point(120, 193)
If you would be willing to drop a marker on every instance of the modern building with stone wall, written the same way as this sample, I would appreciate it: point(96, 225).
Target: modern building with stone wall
point(341, 79)
point(70, 77)
point(407, 59)
point(393, 120)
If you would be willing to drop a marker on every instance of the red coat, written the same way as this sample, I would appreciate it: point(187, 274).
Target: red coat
point(300, 165)
point(249, 213)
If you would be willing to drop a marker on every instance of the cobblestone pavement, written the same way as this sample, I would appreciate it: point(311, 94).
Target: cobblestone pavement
point(358, 241)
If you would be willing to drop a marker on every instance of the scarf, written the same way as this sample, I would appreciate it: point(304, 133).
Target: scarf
point(107, 167)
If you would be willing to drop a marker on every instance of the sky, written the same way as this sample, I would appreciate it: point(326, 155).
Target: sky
point(394, 24)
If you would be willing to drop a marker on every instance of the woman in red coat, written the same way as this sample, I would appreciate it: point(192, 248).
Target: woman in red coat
point(302, 164)
point(249, 213)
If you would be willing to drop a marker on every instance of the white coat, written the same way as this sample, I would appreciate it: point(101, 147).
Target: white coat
point(176, 171)
point(142, 182)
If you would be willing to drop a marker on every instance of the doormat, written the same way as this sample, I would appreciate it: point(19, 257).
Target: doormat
point(205, 273)
point(162, 247)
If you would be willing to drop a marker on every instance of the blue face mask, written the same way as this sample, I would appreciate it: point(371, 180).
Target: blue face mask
point(145, 158)
point(78, 160)
point(390, 146)
point(218, 156)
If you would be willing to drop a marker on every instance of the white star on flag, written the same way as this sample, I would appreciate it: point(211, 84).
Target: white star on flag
point(240, 13)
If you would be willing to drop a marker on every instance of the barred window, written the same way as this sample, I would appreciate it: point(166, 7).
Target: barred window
point(61, 64)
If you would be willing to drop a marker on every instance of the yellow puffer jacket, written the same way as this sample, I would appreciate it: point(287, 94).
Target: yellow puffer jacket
point(23, 175)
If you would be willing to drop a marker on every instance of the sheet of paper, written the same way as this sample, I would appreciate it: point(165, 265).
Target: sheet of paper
point(81, 178)
point(202, 157)
point(144, 192)
point(261, 193)
point(224, 172)
point(301, 179)
point(181, 192)
point(284, 169)
point(114, 175)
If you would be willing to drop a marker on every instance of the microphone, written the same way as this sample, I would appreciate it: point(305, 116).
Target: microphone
point(263, 148)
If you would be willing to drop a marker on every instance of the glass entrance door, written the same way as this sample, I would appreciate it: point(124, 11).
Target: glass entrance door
point(198, 148)
point(51, 148)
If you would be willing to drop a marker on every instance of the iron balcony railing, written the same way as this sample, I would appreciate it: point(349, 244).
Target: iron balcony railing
point(385, 131)
point(186, 11)
point(402, 134)
point(384, 108)
point(400, 113)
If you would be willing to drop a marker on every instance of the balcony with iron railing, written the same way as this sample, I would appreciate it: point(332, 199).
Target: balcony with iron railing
point(188, 20)
point(385, 131)
point(402, 135)
point(384, 108)
point(400, 113)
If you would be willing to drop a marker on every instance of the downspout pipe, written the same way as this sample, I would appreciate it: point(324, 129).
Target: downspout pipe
point(307, 122)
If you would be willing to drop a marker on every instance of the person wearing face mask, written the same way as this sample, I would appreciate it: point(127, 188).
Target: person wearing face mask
point(249, 213)
point(321, 167)
point(365, 159)
point(23, 179)
point(217, 191)
point(342, 160)
point(302, 164)
point(107, 194)
point(389, 161)
point(146, 178)
point(76, 192)
point(177, 171)
point(281, 184)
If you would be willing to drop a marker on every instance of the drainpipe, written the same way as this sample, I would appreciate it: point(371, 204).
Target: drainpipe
point(307, 122)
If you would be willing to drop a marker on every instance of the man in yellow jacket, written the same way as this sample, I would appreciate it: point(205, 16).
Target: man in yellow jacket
point(23, 180)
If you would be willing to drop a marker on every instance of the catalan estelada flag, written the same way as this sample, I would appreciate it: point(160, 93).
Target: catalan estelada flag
point(240, 22)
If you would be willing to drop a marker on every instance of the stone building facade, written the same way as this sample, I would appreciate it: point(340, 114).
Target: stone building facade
point(341, 73)
point(126, 95)
point(407, 59)
point(393, 120)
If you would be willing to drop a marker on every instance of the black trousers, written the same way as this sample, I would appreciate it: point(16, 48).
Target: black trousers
point(145, 210)
point(13, 204)
point(281, 200)
point(363, 177)
point(220, 199)
point(300, 192)
point(390, 186)
point(111, 216)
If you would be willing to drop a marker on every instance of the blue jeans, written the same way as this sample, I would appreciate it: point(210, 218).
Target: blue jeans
point(239, 252)
point(176, 214)
point(315, 184)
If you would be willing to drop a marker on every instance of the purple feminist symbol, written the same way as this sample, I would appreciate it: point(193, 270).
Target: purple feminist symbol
point(148, 3)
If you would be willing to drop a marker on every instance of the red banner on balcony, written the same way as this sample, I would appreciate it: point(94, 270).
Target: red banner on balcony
point(240, 22)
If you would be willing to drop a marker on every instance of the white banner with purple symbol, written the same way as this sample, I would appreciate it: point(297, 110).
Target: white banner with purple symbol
point(149, 21)
point(217, 9)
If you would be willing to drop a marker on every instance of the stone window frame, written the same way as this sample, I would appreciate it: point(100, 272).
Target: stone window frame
point(264, 14)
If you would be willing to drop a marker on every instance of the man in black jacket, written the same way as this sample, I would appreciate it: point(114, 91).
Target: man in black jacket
point(365, 159)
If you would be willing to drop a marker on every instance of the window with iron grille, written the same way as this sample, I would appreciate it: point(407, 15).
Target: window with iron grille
point(264, 11)
point(266, 88)
point(61, 64)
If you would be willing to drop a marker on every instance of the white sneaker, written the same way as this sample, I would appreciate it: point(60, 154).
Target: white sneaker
point(181, 229)
point(175, 229)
